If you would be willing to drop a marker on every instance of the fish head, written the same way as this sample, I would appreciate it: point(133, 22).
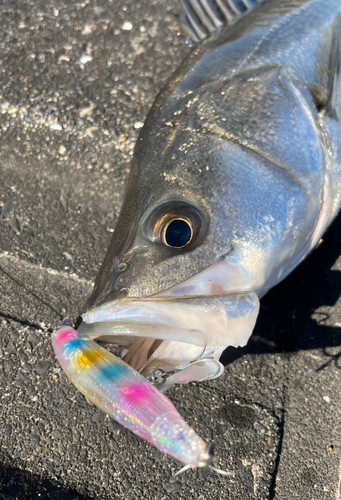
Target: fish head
point(190, 250)
point(173, 291)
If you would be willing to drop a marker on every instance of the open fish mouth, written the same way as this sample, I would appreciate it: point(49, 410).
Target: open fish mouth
point(173, 340)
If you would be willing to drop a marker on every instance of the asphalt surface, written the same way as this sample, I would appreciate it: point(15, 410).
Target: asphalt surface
point(76, 82)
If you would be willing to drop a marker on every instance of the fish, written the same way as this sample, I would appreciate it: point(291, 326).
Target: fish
point(236, 175)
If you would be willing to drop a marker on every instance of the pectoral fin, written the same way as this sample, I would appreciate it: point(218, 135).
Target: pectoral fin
point(333, 105)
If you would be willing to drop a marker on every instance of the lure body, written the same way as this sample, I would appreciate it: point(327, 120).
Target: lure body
point(128, 397)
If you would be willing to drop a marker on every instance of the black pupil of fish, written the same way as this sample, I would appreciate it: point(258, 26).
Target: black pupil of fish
point(178, 233)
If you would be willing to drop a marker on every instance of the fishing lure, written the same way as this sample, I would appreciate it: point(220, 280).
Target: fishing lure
point(124, 394)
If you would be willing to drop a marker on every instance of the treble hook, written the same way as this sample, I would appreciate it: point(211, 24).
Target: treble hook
point(159, 376)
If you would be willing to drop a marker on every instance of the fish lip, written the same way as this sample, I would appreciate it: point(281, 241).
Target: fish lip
point(170, 313)
point(191, 329)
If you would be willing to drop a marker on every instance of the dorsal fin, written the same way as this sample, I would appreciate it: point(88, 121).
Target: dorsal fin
point(203, 17)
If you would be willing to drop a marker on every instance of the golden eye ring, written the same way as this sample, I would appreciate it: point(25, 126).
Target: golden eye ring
point(175, 225)
point(178, 232)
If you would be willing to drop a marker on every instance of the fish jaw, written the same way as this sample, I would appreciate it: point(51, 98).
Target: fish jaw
point(182, 337)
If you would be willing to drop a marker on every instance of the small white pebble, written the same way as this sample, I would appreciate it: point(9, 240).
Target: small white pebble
point(63, 57)
point(326, 399)
point(87, 29)
point(56, 126)
point(338, 325)
point(85, 59)
point(92, 131)
point(138, 125)
point(127, 26)
point(62, 150)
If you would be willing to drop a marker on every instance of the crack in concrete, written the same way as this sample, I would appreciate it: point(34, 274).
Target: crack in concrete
point(279, 414)
point(278, 457)
point(6, 273)
point(22, 322)
point(281, 426)
point(53, 272)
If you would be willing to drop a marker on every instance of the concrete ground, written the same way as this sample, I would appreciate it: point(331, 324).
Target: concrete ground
point(76, 81)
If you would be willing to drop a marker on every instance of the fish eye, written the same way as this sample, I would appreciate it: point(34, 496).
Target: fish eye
point(178, 233)
point(175, 225)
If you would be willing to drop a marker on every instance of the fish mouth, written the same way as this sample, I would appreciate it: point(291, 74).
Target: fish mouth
point(173, 340)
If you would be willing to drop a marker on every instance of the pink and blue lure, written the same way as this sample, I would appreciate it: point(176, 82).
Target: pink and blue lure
point(128, 397)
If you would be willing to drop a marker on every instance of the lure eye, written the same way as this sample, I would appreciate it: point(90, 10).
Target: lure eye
point(178, 233)
point(176, 225)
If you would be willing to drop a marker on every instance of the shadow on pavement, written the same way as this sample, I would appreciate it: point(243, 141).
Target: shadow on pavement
point(23, 485)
